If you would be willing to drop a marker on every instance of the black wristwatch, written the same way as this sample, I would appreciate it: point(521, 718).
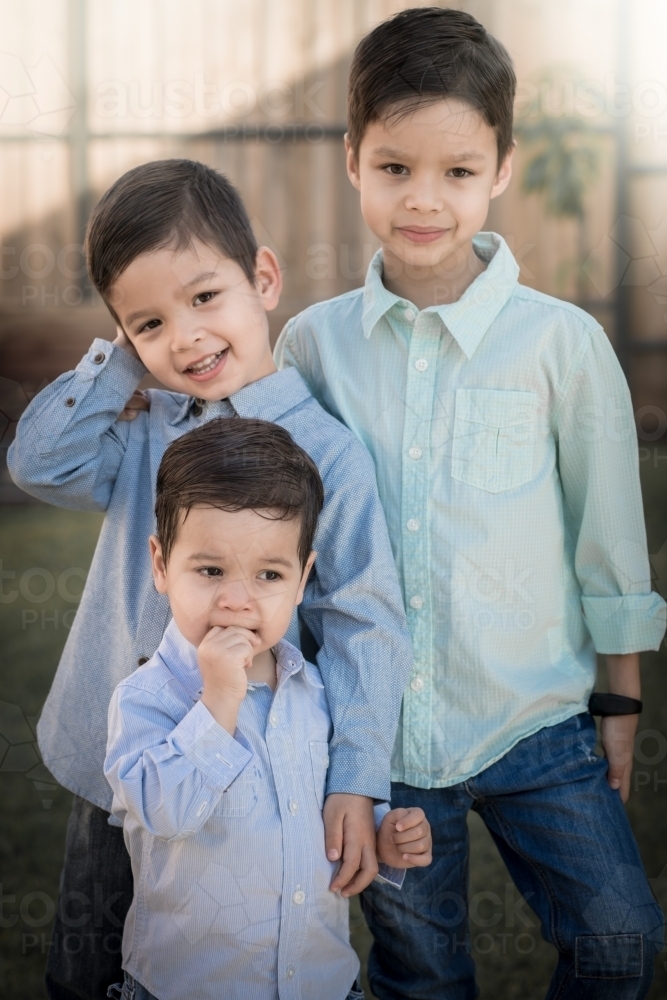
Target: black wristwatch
point(613, 704)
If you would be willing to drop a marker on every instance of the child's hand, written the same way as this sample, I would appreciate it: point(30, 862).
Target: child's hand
point(349, 828)
point(404, 839)
point(137, 401)
point(224, 655)
point(618, 738)
point(122, 340)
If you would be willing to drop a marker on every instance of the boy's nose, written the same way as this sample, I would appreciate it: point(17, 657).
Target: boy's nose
point(424, 197)
point(235, 596)
point(186, 334)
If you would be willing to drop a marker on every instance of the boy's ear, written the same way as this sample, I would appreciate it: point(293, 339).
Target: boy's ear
point(268, 278)
point(304, 576)
point(352, 163)
point(504, 174)
point(158, 564)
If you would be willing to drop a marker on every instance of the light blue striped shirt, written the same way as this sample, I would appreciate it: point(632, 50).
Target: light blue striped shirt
point(504, 443)
point(226, 836)
point(71, 450)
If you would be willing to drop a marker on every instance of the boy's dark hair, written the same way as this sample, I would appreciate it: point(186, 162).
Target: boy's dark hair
point(166, 203)
point(423, 55)
point(238, 464)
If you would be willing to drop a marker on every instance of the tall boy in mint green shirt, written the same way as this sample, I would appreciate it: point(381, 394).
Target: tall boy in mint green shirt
point(503, 437)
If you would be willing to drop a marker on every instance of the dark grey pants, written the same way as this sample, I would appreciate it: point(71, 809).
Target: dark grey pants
point(95, 895)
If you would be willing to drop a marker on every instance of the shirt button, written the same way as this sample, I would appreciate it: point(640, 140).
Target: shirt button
point(99, 358)
point(70, 401)
point(291, 972)
point(416, 602)
point(299, 897)
point(142, 660)
point(417, 684)
point(413, 524)
point(415, 453)
point(421, 364)
point(273, 719)
point(293, 806)
point(410, 315)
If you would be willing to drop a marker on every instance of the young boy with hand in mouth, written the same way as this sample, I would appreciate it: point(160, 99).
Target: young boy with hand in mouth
point(218, 746)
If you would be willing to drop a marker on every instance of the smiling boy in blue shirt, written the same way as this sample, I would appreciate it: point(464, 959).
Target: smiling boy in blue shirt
point(172, 253)
point(503, 437)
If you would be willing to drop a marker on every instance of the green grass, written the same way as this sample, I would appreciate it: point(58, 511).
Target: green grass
point(35, 811)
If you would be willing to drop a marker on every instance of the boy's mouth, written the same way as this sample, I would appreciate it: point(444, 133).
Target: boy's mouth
point(207, 367)
point(421, 234)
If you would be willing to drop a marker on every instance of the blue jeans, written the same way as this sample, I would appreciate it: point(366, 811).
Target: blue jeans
point(565, 838)
point(132, 990)
point(94, 897)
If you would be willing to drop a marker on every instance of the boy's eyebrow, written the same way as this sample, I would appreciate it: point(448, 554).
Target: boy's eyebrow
point(216, 556)
point(400, 154)
point(201, 277)
point(136, 315)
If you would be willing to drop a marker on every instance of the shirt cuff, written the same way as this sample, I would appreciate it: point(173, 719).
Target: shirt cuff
point(219, 756)
point(390, 876)
point(118, 368)
point(625, 624)
point(386, 874)
point(357, 774)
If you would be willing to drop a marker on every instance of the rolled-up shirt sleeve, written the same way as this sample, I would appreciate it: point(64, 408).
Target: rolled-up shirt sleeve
point(599, 469)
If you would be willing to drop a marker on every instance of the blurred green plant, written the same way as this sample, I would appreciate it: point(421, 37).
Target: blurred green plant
point(562, 169)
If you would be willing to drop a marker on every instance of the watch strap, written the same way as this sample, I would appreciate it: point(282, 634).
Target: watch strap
point(604, 704)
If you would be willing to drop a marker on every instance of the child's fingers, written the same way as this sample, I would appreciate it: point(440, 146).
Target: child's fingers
point(413, 817)
point(333, 836)
point(418, 860)
point(348, 869)
point(407, 836)
point(368, 869)
point(421, 846)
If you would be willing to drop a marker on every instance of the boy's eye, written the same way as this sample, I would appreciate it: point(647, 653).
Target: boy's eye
point(460, 172)
point(210, 571)
point(396, 169)
point(270, 575)
point(152, 324)
point(204, 297)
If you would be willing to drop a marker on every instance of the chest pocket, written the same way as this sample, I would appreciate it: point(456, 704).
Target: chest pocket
point(319, 759)
point(241, 796)
point(495, 442)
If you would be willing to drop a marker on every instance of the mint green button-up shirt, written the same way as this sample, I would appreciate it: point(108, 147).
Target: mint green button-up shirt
point(505, 448)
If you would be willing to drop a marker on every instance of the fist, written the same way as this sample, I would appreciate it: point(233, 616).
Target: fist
point(404, 839)
point(224, 655)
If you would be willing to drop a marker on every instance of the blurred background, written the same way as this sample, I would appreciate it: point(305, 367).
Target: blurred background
point(89, 89)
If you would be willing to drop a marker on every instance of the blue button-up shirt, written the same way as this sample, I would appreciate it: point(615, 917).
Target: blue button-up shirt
point(70, 450)
point(506, 454)
point(226, 836)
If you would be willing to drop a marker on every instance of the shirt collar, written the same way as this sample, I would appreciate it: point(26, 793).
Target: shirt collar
point(180, 657)
point(267, 399)
point(468, 319)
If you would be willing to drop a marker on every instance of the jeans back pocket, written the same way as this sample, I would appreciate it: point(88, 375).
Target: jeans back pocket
point(495, 438)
